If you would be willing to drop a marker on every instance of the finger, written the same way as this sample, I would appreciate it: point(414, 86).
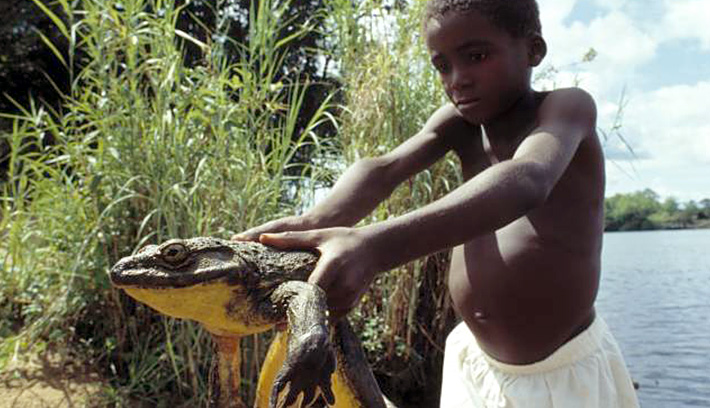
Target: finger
point(290, 239)
point(319, 276)
point(278, 393)
point(327, 392)
point(308, 397)
point(294, 398)
point(336, 314)
point(338, 307)
point(324, 277)
point(248, 235)
point(252, 234)
point(291, 223)
point(244, 236)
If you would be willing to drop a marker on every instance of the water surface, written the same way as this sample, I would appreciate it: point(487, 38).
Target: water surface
point(655, 296)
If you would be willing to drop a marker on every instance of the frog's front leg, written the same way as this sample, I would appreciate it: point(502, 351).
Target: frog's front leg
point(310, 360)
point(225, 375)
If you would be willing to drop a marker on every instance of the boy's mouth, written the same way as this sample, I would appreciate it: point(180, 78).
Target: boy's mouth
point(466, 102)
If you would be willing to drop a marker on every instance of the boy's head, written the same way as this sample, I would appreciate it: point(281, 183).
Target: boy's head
point(484, 51)
point(519, 18)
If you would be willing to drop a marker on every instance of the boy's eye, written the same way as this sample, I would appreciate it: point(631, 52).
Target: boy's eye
point(477, 56)
point(440, 66)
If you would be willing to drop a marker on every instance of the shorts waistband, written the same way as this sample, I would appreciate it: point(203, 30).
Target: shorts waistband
point(574, 350)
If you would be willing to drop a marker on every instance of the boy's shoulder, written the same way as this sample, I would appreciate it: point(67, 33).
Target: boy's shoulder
point(572, 91)
point(568, 104)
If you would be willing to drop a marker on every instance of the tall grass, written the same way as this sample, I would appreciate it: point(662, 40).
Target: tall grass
point(390, 92)
point(143, 149)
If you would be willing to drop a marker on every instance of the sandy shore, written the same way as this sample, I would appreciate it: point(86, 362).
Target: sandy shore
point(49, 381)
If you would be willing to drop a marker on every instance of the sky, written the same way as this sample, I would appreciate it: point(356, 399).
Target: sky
point(650, 75)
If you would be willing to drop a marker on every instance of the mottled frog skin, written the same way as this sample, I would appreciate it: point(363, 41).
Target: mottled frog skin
point(236, 288)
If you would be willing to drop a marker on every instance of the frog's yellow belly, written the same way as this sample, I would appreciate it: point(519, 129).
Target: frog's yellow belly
point(221, 308)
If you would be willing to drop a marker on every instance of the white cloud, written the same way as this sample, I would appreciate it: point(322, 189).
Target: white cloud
point(611, 4)
point(671, 128)
point(687, 19)
point(553, 12)
point(620, 42)
point(667, 127)
point(684, 182)
point(672, 123)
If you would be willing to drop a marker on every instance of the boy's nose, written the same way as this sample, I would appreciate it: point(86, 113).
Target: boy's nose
point(460, 79)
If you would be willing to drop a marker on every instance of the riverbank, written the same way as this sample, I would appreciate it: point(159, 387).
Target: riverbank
point(700, 224)
point(49, 380)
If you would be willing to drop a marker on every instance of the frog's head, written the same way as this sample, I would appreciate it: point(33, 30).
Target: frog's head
point(222, 284)
point(180, 263)
point(202, 279)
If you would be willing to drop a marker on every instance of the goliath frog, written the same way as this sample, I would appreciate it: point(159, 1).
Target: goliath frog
point(236, 289)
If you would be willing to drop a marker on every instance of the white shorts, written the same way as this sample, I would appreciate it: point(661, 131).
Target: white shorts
point(586, 372)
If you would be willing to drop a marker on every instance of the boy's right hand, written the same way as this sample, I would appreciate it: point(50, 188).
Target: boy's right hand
point(345, 267)
point(290, 223)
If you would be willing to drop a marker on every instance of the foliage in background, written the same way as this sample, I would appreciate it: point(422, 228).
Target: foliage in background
point(143, 148)
point(149, 144)
point(643, 210)
point(390, 92)
point(198, 118)
point(26, 63)
point(30, 42)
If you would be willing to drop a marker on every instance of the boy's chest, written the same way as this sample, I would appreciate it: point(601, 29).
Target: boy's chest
point(478, 153)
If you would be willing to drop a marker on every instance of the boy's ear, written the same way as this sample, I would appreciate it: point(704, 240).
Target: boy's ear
point(537, 50)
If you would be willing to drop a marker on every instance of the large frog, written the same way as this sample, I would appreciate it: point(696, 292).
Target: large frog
point(236, 289)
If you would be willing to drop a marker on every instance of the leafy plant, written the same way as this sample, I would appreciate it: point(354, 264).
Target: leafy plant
point(144, 148)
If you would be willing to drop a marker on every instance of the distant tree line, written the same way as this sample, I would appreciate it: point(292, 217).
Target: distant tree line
point(644, 210)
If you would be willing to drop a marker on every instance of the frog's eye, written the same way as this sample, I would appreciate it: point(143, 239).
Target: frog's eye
point(174, 253)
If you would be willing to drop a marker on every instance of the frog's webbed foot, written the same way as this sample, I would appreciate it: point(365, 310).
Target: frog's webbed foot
point(306, 373)
point(310, 361)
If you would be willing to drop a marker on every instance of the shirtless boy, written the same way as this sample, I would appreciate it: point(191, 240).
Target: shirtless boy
point(525, 226)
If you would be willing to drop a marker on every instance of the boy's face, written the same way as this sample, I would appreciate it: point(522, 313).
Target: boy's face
point(484, 69)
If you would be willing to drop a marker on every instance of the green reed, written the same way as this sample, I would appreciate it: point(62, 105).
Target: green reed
point(390, 92)
point(143, 149)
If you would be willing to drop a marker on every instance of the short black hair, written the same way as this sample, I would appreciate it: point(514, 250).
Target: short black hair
point(520, 18)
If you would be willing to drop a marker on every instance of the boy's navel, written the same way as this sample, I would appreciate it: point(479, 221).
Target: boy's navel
point(480, 316)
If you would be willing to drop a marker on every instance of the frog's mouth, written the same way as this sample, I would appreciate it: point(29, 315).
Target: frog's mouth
point(126, 273)
point(142, 272)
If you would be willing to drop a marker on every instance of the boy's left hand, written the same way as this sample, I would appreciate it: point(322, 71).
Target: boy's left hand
point(346, 266)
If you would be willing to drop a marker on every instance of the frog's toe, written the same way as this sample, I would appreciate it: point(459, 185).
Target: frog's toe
point(307, 370)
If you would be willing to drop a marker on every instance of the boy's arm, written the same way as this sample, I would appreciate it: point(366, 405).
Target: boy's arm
point(351, 257)
point(498, 195)
point(369, 181)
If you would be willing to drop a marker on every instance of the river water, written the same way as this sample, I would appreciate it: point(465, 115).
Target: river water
point(655, 296)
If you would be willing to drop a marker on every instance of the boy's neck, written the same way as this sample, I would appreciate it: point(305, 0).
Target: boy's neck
point(520, 117)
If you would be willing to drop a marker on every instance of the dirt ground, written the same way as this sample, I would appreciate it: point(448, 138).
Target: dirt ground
point(48, 381)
